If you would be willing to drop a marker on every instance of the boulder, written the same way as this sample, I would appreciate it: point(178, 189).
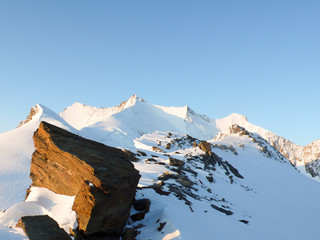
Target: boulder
point(206, 147)
point(42, 227)
point(101, 178)
point(168, 145)
point(138, 216)
point(142, 204)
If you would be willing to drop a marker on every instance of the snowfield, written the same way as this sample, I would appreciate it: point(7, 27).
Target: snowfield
point(252, 191)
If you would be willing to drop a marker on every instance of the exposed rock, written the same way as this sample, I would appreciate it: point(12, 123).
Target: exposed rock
point(42, 227)
point(142, 153)
point(151, 160)
point(131, 155)
point(168, 146)
point(175, 162)
point(210, 178)
point(227, 148)
point(167, 175)
point(130, 234)
point(233, 170)
point(227, 212)
point(185, 183)
point(142, 204)
point(206, 147)
point(244, 221)
point(234, 129)
point(102, 178)
point(138, 216)
point(313, 168)
point(161, 226)
point(156, 149)
point(34, 110)
point(140, 225)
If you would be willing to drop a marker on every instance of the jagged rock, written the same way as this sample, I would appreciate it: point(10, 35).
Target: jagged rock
point(33, 112)
point(151, 160)
point(102, 178)
point(156, 149)
point(142, 153)
point(210, 178)
point(167, 175)
point(185, 183)
point(237, 129)
point(161, 226)
point(142, 204)
point(138, 216)
point(227, 212)
point(130, 234)
point(175, 162)
point(233, 170)
point(244, 221)
point(42, 228)
point(131, 155)
point(206, 147)
point(168, 146)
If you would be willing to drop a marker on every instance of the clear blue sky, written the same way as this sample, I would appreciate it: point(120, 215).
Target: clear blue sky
point(257, 58)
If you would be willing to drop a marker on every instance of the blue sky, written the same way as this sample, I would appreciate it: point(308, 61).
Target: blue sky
point(257, 58)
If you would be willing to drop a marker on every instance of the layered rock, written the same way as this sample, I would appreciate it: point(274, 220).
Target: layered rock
point(102, 178)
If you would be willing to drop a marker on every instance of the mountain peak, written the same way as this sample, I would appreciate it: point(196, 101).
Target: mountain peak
point(238, 117)
point(130, 102)
point(34, 111)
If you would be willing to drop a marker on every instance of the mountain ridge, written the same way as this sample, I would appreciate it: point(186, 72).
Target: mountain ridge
point(86, 118)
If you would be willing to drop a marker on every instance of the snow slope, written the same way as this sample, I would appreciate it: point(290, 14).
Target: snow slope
point(272, 196)
point(16, 148)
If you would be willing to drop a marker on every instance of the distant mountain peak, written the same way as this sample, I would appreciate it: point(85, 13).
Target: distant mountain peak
point(34, 111)
point(130, 102)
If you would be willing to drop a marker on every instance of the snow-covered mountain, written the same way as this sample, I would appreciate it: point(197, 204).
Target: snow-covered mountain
point(118, 126)
point(250, 191)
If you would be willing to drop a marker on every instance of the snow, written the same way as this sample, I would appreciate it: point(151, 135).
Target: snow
point(11, 234)
point(16, 148)
point(42, 201)
point(273, 196)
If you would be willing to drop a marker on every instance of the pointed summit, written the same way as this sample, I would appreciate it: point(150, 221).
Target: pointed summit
point(130, 102)
point(79, 115)
point(33, 112)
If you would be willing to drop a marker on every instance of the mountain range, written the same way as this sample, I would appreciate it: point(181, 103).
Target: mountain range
point(262, 186)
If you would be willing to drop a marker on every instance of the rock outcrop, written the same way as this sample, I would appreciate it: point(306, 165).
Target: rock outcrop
point(206, 147)
point(102, 178)
point(42, 227)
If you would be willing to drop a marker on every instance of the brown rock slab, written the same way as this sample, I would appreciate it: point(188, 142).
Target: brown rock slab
point(156, 149)
point(42, 228)
point(175, 162)
point(206, 147)
point(102, 178)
